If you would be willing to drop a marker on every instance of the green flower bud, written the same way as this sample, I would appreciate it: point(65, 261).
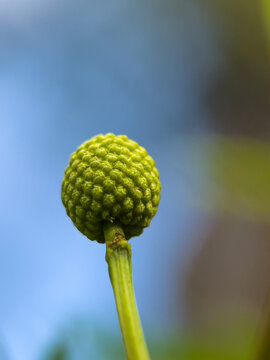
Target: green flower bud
point(110, 178)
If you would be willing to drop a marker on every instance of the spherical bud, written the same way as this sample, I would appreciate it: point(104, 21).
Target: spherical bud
point(110, 178)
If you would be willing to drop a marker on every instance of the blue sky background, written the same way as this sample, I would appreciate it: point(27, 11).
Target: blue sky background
point(70, 70)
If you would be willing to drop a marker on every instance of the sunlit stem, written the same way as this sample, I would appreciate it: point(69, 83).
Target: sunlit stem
point(118, 256)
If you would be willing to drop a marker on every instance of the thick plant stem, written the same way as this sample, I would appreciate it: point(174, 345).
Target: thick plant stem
point(118, 255)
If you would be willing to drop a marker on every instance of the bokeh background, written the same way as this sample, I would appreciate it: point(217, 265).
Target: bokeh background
point(190, 81)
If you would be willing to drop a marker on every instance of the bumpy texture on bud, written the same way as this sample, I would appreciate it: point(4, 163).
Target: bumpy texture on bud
point(110, 178)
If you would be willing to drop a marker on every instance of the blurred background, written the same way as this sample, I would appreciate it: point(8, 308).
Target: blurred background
point(190, 81)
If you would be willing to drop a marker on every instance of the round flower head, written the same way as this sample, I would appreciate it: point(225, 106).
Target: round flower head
point(110, 178)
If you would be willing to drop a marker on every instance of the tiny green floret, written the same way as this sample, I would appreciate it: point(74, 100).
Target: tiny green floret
point(110, 179)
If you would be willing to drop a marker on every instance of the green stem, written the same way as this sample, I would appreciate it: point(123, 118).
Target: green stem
point(118, 256)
